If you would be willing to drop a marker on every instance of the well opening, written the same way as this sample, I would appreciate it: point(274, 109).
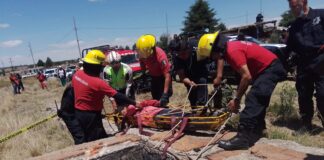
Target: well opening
point(135, 151)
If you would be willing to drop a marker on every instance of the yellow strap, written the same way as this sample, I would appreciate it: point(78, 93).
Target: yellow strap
point(22, 130)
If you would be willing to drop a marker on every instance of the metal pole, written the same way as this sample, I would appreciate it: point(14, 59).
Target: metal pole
point(77, 38)
point(261, 6)
point(167, 24)
point(10, 60)
point(31, 52)
point(247, 17)
point(2, 64)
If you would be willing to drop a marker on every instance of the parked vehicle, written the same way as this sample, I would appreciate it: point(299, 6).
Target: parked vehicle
point(52, 72)
point(69, 72)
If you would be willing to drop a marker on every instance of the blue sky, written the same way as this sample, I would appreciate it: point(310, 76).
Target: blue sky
point(48, 24)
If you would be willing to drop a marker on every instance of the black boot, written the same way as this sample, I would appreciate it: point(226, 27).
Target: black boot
point(245, 138)
point(240, 141)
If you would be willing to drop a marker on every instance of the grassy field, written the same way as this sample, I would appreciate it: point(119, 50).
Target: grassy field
point(17, 111)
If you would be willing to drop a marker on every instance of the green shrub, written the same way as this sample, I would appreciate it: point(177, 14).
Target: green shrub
point(285, 107)
point(277, 134)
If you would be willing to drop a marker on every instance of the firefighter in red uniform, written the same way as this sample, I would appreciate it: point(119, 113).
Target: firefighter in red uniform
point(155, 60)
point(89, 92)
point(255, 64)
point(42, 80)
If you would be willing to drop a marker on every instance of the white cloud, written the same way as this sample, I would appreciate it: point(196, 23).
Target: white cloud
point(65, 51)
point(11, 43)
point(4, 25)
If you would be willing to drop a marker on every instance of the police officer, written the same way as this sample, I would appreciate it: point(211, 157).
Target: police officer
point(119, 75)
point(192, 72)
point(89, 92)
point(253, 63)
point(154, 59)
point(306, 39)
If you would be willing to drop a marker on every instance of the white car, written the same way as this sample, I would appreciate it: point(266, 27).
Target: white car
point(69, 72)
point(52, 72)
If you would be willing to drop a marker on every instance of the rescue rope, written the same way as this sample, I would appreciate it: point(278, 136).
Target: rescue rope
point(183, 112)
point(175, 126)
point(220, 129)
point(24, 129)
point(108, 120)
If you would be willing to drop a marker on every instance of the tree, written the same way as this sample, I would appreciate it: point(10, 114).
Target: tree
point(49, 62)
point(200, 17)
point(164, 41)
point(40, 63)
point(221, 27)
point(287, 18)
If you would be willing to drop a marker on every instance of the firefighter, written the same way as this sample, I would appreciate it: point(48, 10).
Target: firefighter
point(89, 92)
point(306, 39)
point(255, 64)
point(15, 83)
point(119, 75)
point(42, 79)
point(191, 72)
point(154, 59)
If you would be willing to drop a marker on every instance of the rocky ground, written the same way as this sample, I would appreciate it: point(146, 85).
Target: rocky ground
point(186, 148)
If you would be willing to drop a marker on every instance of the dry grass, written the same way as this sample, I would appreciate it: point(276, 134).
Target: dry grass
point(34, 104)
point(4, 81)
point(286, 126)
point(21, 110)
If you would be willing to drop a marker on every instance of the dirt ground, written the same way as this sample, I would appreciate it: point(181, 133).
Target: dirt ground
point(17, 111)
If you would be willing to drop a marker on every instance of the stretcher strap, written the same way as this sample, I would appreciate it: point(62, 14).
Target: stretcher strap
point(175, 136)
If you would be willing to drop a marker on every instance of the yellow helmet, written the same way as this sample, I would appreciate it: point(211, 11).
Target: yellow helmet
point(145, 45)
point(94, 57)
point(205, 45)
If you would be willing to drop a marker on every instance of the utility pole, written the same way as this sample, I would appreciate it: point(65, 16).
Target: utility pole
point(246, 18)
point(31, 53)
point(2, 64)
point(10, 60)
point(77, 38)
point(167, 25)
point(261, 6)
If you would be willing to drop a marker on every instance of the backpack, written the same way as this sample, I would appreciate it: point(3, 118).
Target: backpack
point(67, 101)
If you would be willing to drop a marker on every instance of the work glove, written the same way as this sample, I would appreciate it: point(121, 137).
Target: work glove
point(164, 100)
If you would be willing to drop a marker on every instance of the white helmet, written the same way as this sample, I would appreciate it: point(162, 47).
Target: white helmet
point(113, 56)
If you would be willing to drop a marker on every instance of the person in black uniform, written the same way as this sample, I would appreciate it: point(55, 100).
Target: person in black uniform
point(174, 48)
point(191, 72)
point(306, 39)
